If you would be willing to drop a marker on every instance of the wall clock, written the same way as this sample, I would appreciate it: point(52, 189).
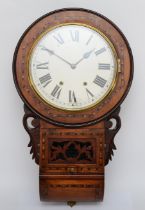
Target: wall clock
point(72, 68)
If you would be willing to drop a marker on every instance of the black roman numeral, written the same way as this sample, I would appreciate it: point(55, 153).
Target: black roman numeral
point(104, 66)
point(100, 81)
point(72, 97)
point(98, 52)
point(75, 35)
point(90, 38)
point(59, 38)
point(56, 91)
point(45, 80)
point(89, 93)
point(42, 65)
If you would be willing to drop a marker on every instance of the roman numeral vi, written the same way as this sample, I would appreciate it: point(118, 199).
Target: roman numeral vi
point(72, 97)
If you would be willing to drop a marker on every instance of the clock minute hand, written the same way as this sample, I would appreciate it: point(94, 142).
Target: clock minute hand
point(85, 56)
point(53, 53)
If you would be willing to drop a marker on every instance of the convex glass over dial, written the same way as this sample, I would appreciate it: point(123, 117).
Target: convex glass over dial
point(73, 67)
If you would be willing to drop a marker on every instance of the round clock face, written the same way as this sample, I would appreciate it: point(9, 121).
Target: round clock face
point(73, 67)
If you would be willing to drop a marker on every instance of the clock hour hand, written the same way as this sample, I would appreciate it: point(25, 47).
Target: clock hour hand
point(85, 56)
point(51, 52)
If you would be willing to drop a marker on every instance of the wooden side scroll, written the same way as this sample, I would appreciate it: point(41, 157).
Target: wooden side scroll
point(33, 129)
point(110, 132)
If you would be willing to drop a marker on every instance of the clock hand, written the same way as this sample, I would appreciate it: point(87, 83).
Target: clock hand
point(85, 56)
point(51, 52)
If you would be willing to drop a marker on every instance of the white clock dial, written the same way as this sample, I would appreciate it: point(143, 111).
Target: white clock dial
point(73, 67)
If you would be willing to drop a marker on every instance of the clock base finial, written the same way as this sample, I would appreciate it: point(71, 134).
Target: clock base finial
point(71, 203)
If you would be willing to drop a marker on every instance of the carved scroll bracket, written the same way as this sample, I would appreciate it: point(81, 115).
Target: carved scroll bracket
point(31, 124)
point(112, 126)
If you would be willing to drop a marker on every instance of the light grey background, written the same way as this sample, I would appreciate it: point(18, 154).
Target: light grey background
point(125, 175)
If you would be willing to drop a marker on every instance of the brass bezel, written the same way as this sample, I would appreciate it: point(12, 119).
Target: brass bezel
point(112, 86)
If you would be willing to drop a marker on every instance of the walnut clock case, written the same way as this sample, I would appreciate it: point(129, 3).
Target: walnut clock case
point(72, 68)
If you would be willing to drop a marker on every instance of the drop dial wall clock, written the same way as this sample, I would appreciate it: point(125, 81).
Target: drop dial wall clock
point(72, 68)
